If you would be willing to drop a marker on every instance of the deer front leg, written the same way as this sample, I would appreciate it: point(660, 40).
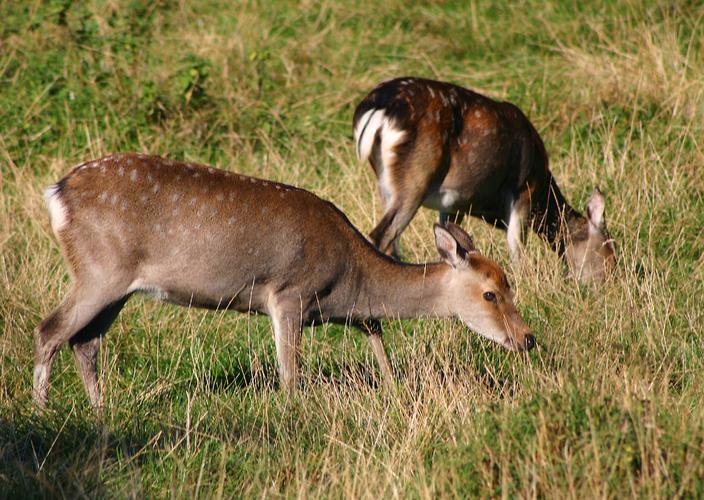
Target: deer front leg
point(383, 360)
point(287, 335)
point(372, 328)
point(516, 228)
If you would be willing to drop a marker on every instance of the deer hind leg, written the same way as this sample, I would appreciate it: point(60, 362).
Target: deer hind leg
point(80, 307)
point(86, 345)
point(403, 193)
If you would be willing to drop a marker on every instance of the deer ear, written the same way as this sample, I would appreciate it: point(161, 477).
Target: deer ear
point(595, 210)
point(462, 237)
point(448, 247)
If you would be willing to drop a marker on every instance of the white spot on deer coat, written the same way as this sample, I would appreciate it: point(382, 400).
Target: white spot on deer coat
point(121, 171)
point(156, 188)
point(133, 175)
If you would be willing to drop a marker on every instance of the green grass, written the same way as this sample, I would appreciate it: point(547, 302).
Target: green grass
point(609, 405)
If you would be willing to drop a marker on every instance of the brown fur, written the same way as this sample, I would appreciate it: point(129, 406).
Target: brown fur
point(199, 236)
point(463, 153)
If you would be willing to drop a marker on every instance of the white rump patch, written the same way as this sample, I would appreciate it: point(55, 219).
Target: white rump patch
point(365, 131)
point(58, 213)
point(390, 138)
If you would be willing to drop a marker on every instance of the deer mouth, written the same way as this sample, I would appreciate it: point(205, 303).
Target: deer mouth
point(511, 344)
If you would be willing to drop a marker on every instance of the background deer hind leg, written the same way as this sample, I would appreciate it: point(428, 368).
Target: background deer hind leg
point(403, 187)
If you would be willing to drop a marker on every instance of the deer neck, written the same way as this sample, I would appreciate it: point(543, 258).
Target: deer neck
point(398, 290)
point(556, 220)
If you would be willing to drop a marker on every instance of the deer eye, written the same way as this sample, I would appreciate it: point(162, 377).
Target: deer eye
point(490, 296)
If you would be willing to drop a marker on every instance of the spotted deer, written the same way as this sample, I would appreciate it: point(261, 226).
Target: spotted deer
point(198, 236)
point(450, 149)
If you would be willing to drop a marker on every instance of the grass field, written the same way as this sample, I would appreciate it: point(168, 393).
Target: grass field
point(609, 405)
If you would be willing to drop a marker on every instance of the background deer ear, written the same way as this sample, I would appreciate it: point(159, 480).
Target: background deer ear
point(448, 247)
point(462, 237)
point(595, 210)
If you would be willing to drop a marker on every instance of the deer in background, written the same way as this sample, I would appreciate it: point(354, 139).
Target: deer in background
point(450, 149)
point(198, 236)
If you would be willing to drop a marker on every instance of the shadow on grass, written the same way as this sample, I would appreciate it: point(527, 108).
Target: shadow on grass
point(266, 376)
point(53, 455)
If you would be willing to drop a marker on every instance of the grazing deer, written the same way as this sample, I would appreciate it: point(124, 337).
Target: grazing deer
point(198, 236)
point(450, 149)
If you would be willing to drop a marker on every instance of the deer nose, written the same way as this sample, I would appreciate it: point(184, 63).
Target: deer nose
point(530, 342)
